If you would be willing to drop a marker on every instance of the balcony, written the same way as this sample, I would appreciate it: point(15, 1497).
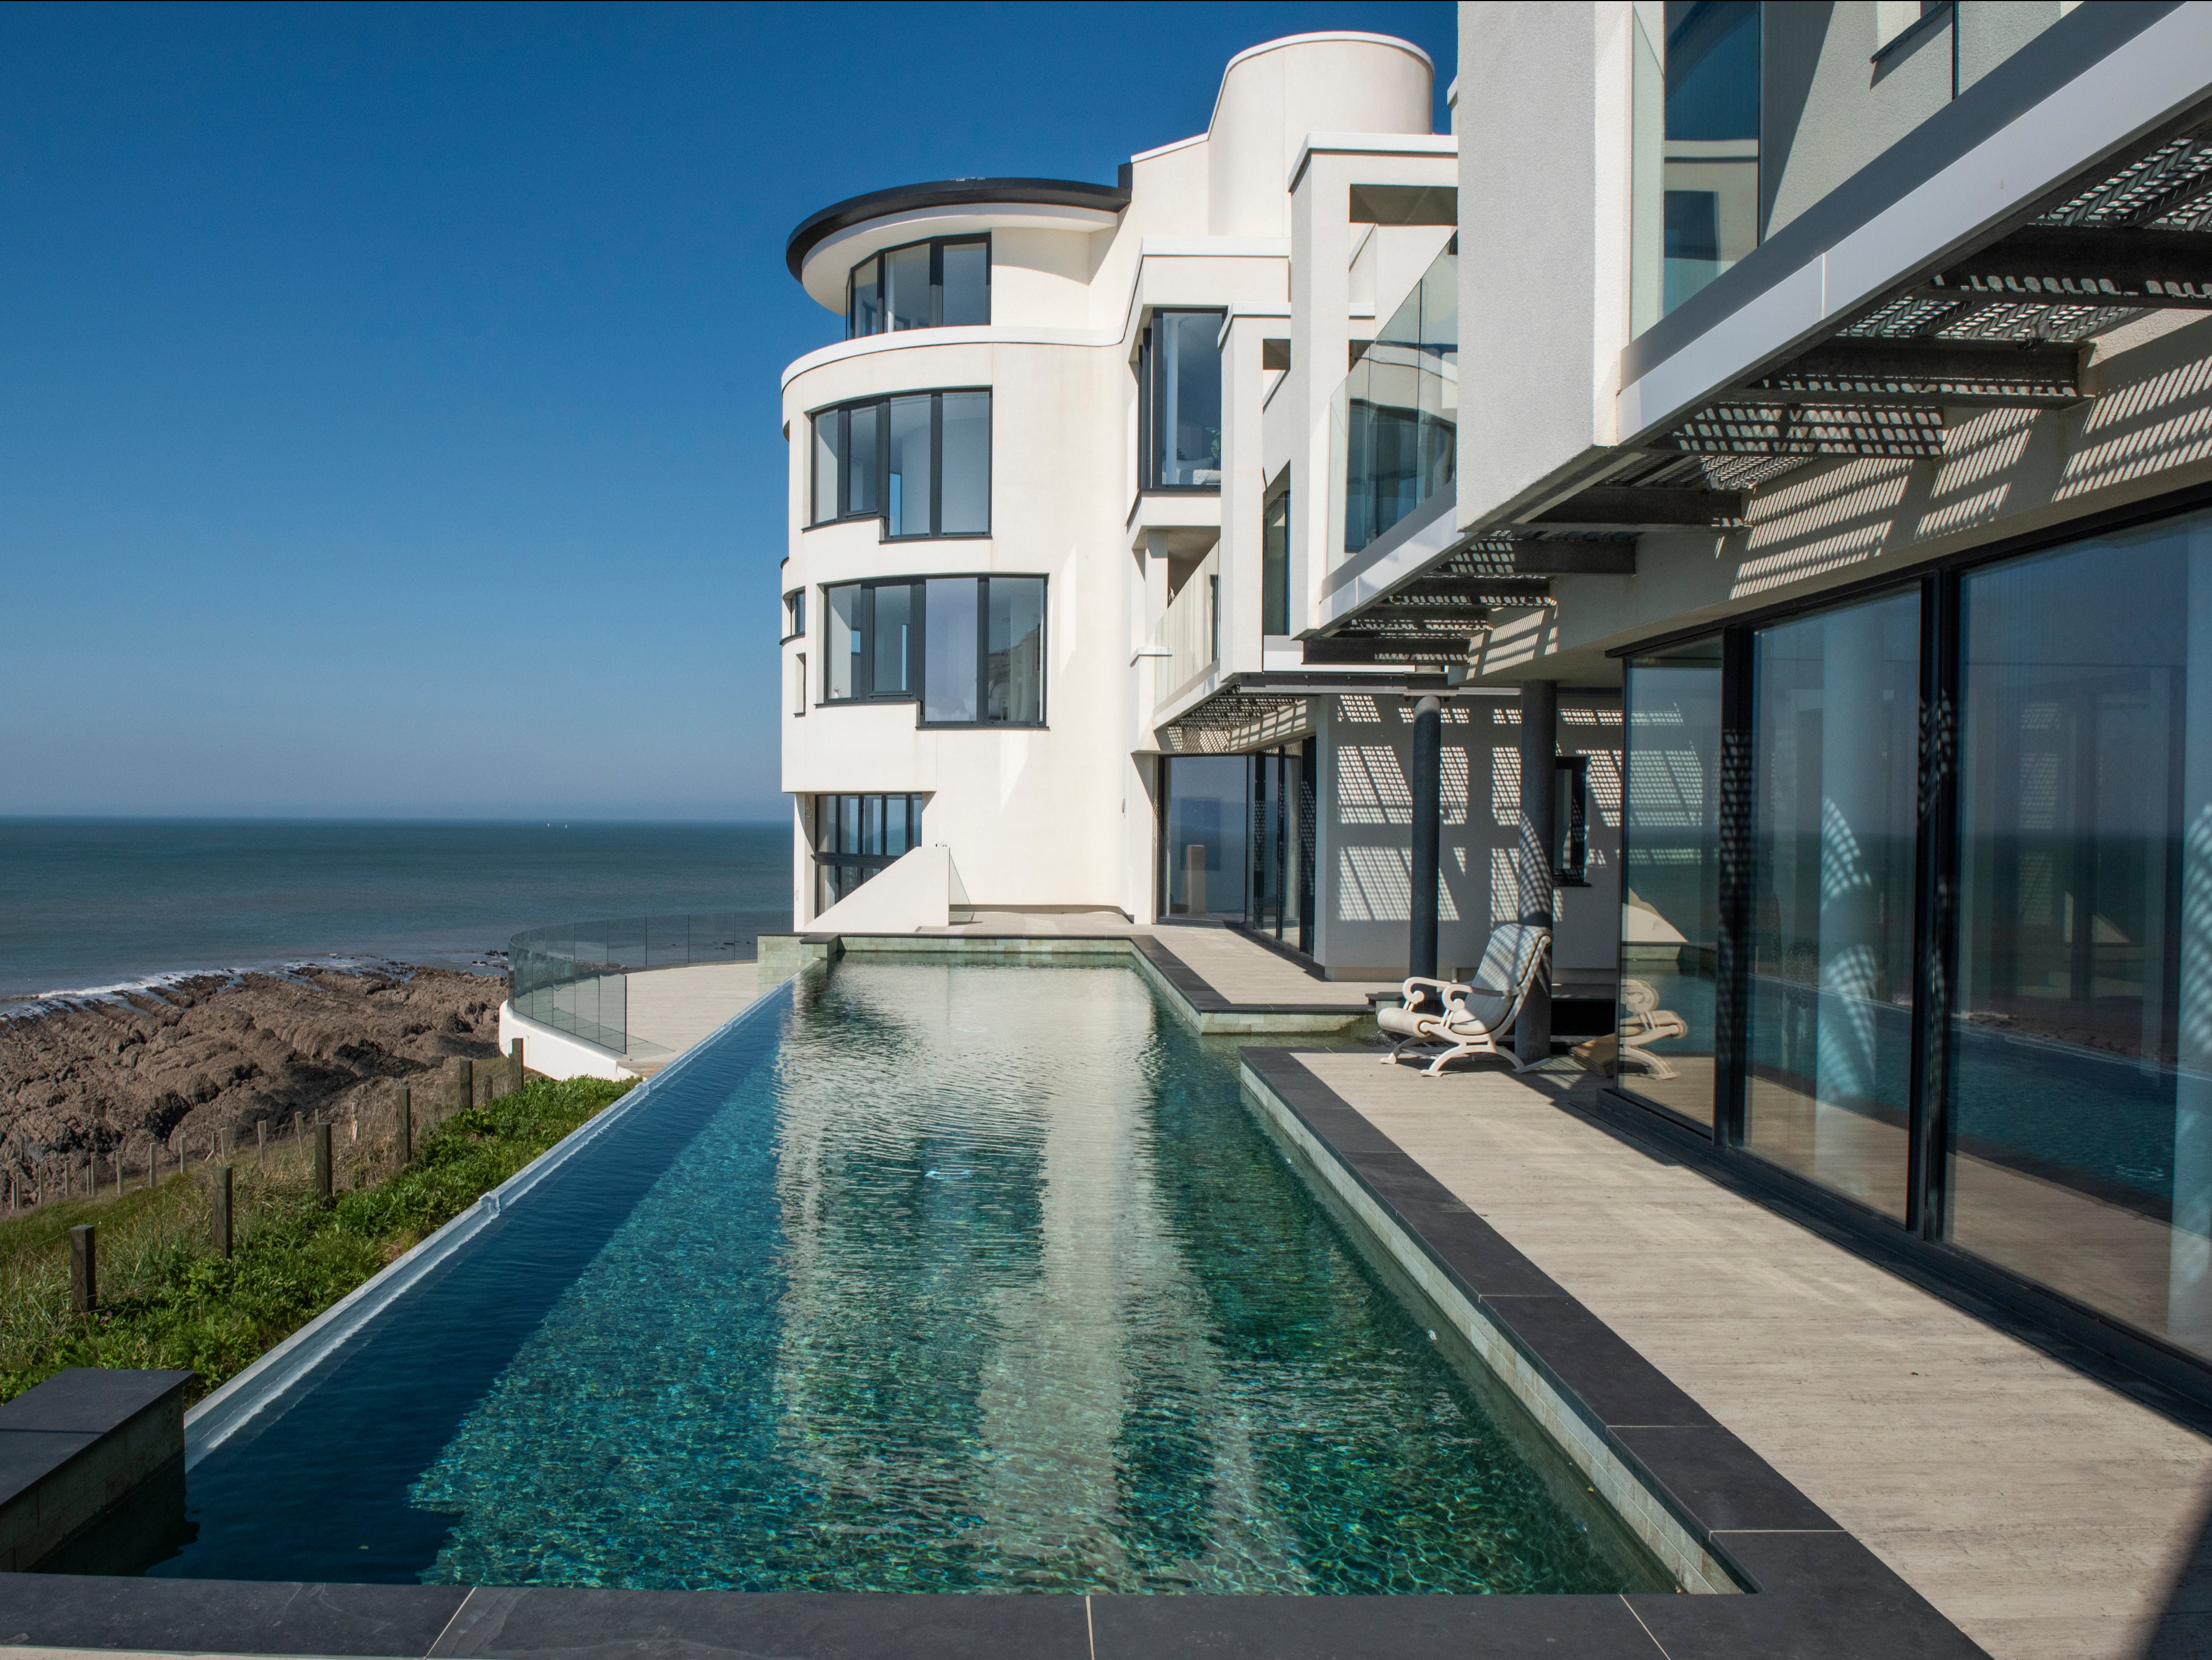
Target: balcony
point(1186, 642)
point(1393, 423)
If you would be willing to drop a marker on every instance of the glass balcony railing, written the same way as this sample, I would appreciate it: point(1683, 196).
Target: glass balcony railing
point(574, 977)
point(1188, 639)
point(1394, 424)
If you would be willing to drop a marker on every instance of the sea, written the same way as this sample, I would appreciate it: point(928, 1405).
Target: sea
point(94, 905)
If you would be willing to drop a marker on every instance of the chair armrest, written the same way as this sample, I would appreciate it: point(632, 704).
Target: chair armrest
point(1443, 989)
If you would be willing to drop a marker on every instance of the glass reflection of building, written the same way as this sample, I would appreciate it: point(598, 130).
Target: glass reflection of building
point(1958, 976)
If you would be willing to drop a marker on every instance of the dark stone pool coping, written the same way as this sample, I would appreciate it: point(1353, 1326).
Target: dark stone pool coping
point(1818, 1593)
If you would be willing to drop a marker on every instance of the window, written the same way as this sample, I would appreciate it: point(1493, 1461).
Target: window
point(1401, 408)
point(971, 649)
point(2076, 1149)
point(1670, 895)
point(794, 613)
point(921, 462)
point(1570, 821)
point(1236, 839)
point(1697, 163)
point(1180, 412)
point(1275, 560)
point(944, 284)
point(857, 836)
point(798, 685)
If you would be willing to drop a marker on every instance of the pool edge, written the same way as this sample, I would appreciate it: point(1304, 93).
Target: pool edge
point(269, 1380)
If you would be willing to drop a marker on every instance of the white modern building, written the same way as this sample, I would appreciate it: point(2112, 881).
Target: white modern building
point(1062, 502)
point(1781, 434)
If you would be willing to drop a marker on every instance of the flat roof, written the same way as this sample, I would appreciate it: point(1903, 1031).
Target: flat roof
point(818, 227)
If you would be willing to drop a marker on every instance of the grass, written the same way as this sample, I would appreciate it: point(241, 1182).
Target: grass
point(167, 1299)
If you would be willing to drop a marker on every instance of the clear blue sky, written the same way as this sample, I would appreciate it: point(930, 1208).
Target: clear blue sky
point(388, 395)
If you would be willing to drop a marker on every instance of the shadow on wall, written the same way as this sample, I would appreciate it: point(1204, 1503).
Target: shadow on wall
point(2153, 416)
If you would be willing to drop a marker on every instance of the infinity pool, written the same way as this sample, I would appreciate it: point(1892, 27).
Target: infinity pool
point(920, 1278)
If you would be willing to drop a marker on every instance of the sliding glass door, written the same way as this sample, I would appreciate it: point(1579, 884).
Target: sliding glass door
point(1835, 718)
point(2079, 1134)
point(1671, 897)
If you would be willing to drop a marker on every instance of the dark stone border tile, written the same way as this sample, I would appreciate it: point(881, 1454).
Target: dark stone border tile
point(543, 1621)
point(45, 1610)
point(1370, 1627)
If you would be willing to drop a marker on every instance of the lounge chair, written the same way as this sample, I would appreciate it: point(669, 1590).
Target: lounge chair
point(1469, 1019)
point(1643, 1022)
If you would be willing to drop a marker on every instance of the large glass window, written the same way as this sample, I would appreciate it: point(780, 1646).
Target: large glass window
point(1697, 161)
point(1275, 561)
point(1670, 901)
point(1013, 665)
point(1238, 839)
point(2080, 1121)
point(1397, 413)
point(952, 679)
point(1181, 368)
point(857, 836)
point(942, 283)
point(921, 462)
point(1834, 809)
point(971, 648)
point(1204, 849)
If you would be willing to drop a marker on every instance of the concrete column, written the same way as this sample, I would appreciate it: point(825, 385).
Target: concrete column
point(1539, 748)
point(1428, 782)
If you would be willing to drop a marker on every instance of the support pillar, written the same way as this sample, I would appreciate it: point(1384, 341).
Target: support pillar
point(1540, 834)
point(1428, 789)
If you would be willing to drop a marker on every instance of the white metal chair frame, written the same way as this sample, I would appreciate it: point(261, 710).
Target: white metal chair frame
point(1473, 1015)
point(1645, 1022)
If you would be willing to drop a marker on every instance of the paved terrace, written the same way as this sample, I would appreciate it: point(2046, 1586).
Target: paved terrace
point(2042, 1511)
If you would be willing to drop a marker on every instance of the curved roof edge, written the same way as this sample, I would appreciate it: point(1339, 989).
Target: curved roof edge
point(818, 227)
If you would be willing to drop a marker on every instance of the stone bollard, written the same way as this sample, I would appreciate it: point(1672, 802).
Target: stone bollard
point(84, 1273)
point(513, 1065)
point(403, 1132)
point(220, 1189)
point(322, 1163)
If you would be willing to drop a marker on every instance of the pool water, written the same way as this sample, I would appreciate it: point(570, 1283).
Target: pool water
point(922, 1278)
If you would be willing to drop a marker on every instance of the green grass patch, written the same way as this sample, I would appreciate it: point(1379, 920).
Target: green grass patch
point(168, 1300)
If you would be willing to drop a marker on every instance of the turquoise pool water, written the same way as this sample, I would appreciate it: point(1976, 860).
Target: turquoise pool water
point(925, 1277)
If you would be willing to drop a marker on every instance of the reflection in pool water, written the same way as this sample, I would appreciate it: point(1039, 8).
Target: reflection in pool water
point(949, 1279)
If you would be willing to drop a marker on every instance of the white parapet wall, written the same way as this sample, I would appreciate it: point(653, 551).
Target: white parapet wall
point(555, 1053)
point(916, 892)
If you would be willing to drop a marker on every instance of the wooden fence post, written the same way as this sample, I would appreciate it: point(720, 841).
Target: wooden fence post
point(222, 1229)
point(513, 1065)
point(465, 1085)
point(323, 1163)
point(403, 1132)
point(84, 1287)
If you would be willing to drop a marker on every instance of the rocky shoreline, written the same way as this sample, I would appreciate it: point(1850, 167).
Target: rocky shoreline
point(175, 1065)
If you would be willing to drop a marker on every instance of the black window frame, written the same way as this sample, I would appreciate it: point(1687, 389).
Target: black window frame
point(1148, 472)
point(880, 406)
point(823, 834)
point(918, 623)
point(936, 245)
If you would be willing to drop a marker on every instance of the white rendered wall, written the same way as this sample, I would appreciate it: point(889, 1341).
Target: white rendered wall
point(1065, 816)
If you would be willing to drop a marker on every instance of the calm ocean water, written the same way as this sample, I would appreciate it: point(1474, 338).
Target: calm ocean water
point(93, 903)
